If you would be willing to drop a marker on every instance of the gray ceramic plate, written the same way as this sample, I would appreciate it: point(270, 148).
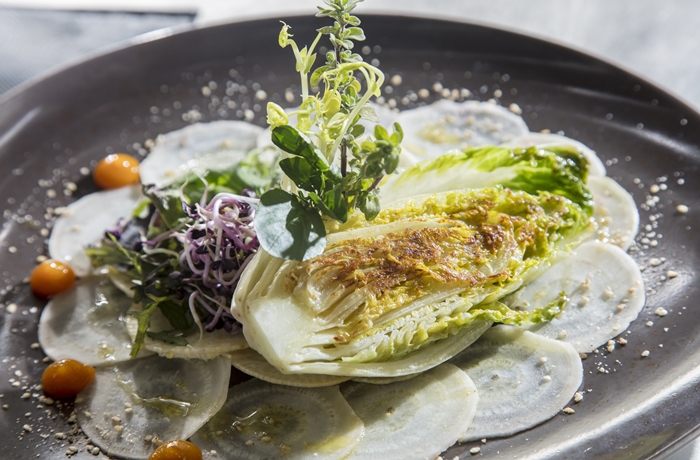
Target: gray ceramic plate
point(53, 127)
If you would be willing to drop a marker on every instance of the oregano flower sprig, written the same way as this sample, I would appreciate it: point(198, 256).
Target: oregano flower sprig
point(330, 172)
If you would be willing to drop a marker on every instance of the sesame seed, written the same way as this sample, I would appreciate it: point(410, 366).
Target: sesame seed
point(27, 428)
point(568, 410)
point(654, 189)
point(474, 450)
point(622, 341)
point(645, 353)
point(249, 443)
point(681, 208)
point(578, 397)
point(671, 274)
point(266, 439)
point(661, 311)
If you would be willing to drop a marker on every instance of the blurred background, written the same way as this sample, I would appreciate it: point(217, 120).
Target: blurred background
point(659, 41)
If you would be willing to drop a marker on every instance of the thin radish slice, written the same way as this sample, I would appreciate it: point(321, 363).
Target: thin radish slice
point(85, 221)
point(264, 421)
point(253, 364)
point(606, 293)
point(197, 148)
point(523, 379)
point(162, 398)
point(86, 323)
point(423, 416)
point(209, 346)
point(445, 125)
point(596, 166)
point(615, 212)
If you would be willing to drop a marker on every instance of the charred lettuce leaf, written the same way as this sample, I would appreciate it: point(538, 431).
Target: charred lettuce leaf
point(422, 272)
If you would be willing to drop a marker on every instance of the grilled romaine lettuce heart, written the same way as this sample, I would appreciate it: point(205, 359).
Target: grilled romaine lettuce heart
point(412, 288)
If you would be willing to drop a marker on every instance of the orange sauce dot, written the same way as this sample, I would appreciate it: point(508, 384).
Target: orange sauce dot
point(51, 277)
point(177, 450)
point(116, 170)
point(66, 378)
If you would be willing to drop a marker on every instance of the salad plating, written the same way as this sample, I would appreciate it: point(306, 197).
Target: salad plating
point(548, 234)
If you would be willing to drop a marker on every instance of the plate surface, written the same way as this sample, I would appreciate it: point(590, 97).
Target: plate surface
point(50, 129)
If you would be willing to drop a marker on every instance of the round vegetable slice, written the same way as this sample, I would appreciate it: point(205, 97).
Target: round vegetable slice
point(522, 378)
point(435, 129)
point(252, 363)
point(596, 167)
point(423, 416)
point(605, 291)
point(84, 222)
point(87, 324)
point(197, 148)
point(208, 345)
point(262, 421)
point(162, 399)
point(615, 212)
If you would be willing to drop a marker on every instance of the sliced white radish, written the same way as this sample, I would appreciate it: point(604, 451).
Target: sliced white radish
point(197, 148)
point(86, 323)
point(445, 125)
point(596, 166)
point(162, 398)
point(417, 418)
point(615, 212)
point(605, 289)
point(209, 346)
point(522, 378)
point(85, 221)
point(253, 364)
point(264, 421)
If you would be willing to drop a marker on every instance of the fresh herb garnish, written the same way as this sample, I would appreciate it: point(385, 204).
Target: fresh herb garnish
point(186, 258)
point(329, 171)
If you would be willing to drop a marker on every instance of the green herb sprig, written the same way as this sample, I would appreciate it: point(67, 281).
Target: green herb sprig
point(329, 173)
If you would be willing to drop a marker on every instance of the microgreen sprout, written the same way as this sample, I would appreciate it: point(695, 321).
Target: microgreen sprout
point(330, 169)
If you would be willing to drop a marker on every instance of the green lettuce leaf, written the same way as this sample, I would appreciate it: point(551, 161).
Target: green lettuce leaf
point(560, 170)
point(421, 272)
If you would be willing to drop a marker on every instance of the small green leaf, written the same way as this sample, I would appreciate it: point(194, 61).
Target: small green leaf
point(371, 206)
point(167, 202)
point(298, 170)
point(357, 131)
point(369, 113)
point(288, 230)
point(292, 141)
point(143, 318)
point(355, 33)
point(175, 313)
point(173, 337)
point(316, 76)
point(335, 201)
point(381, 133)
